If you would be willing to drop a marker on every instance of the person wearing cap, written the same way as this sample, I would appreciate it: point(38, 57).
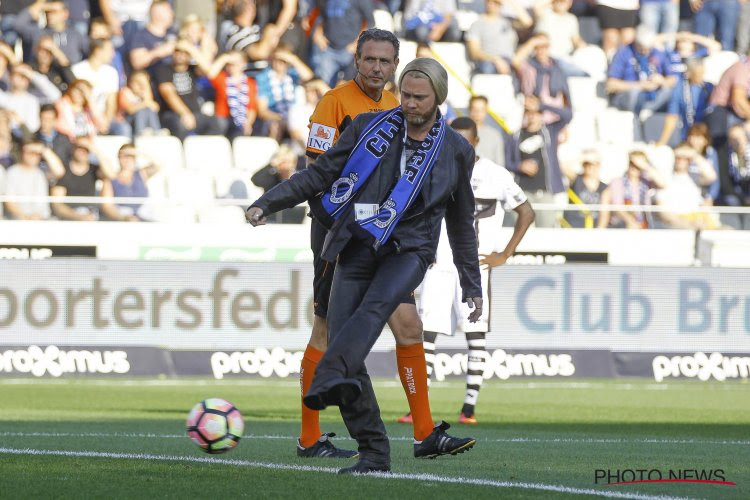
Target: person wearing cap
point(585, 189)
point(387, 184)
point(639, 78)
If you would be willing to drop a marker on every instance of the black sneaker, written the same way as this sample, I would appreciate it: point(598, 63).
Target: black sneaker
point(364, 466)
point(439, 443)
point(324, 448)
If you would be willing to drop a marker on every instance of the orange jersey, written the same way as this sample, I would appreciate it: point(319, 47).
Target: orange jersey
point(336, 110)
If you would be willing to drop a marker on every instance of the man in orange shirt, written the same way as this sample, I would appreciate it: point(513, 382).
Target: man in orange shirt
point(376, 60)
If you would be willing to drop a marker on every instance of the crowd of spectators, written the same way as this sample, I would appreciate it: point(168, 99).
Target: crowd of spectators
point(71, 71)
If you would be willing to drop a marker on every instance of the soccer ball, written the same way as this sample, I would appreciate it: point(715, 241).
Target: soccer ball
point(215, 425)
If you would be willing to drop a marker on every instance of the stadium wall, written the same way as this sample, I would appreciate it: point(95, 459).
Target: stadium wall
point(229, 319)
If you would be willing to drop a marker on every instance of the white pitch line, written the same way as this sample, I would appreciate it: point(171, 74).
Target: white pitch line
point(392, 438)
point(330, 470)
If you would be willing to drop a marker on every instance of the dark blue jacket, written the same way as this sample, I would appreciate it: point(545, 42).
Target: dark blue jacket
point(446, 193)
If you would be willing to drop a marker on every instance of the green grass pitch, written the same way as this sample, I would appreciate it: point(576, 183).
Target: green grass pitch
point(103, 438)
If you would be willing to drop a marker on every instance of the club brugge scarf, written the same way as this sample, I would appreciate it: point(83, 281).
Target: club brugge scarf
point(384, 130)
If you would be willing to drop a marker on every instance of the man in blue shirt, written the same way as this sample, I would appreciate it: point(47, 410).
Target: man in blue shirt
point(639, 78)
point(688, 103)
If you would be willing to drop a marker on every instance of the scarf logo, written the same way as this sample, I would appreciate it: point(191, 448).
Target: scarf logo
point(386, 215)
point(378, 145)
point(342, 189)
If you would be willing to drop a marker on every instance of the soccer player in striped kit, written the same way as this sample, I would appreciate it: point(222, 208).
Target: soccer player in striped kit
point(440, 301)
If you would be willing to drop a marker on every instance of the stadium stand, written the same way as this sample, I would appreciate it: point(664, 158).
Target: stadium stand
point(231, 161)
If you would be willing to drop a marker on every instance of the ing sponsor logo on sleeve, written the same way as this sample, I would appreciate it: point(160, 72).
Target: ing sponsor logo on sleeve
point(321, 137)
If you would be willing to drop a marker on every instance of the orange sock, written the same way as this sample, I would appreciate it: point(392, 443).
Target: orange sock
point(412, 369)
point(310, 431)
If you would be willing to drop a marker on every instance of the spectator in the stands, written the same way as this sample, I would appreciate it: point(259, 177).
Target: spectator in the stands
point(617, 20)
point(662, 16)
point(730, 102)
point(180, 107)
point(194, 30)
point(8, 59)
point(26, 178)
point(236, 94)
point(75, 115)
point(491, 141)
point(80, 180)
point(9, 12)
point(124, 18)
point(541, 76)
point(633, 188)
point(100, 30)
point(699, 139)
point(682, 197)
point(735, 178)
point(105, 84)
point(743, 28)
point(52, 62)
point(74, 44)
point(535, 161)
point(130, 182)
point(283, 164)
point(586, 189)
point(153, 44)
point(21, 101)
point(430, 21)
point(555, 20)
point(335, 37)
point(689, 102)
point(52, 139)
point(686, 46)
point(492, 39)
point(137, 104)
point(300, 112)
point(8, 142)
point(245, 35)
point(639, 78)
point(712, 14)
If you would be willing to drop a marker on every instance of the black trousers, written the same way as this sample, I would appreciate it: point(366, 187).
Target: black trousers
point(366, 290)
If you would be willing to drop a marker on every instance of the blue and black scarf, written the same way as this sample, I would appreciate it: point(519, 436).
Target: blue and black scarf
point(380, 134)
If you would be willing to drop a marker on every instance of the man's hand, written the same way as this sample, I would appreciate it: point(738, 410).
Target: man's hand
point(493, 260)
point(188, 121)
point(476, 304)
point(529, 167)
point(254, 216)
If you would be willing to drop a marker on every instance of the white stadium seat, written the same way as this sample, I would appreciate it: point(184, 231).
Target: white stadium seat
point(223, 180)
point(501, 96)
point(207, 152)
point(615, 126)
point(191, 186)
point(109, 145)
point(717, 64)
point(614, 160)
point(253, 153)
point(383, 19)
point(453, 56)
point(582, 130)
point(583, 94)
point(592, 60)
point(662, 158)
point(165, 150)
